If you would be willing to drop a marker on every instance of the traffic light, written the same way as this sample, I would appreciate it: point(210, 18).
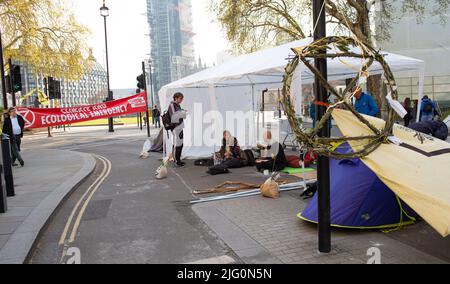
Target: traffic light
point(110, 97)
point(17, 79)
point(54, 88)
point(141, 82)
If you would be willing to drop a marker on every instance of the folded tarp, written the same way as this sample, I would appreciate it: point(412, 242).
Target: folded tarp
point(417, 169)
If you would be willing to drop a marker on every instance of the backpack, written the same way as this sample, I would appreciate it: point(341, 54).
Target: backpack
point(294, 161)
point(204, 162)
point(428, 108)
point(310, 191)
point(247, 157)
point(217, 170)
point(167, 121)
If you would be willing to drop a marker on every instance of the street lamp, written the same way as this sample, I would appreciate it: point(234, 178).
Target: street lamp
point(104, 12)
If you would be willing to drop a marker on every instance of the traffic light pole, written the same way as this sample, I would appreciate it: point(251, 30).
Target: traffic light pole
point(145, 89)
point(2, 71)
point(323, 167)
point(11, 81)
point(110, 97)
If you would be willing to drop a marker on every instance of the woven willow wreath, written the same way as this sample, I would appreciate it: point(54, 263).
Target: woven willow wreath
point(327, 146)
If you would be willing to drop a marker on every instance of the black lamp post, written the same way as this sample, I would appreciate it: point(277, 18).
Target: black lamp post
point(2, 71)
point(104, 12)
point(323, 167)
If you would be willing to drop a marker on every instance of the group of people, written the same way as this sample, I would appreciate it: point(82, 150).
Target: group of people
point(428, 110)
point(230, 152)
point(272, 153)
point(276, 159)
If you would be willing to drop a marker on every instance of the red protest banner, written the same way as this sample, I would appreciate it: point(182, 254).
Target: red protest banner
point(47, 117)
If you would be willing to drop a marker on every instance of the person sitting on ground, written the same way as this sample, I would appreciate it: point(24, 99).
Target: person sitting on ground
point(364, 103)
point(230, 152)
point(274, 159)
point(435, 128)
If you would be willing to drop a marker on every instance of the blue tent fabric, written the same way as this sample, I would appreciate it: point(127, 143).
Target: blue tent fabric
point(359, 199)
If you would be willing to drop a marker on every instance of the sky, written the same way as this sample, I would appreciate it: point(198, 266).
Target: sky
point(128, 40)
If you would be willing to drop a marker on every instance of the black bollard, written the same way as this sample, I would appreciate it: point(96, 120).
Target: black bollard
point(7, 166)
point(3, 202)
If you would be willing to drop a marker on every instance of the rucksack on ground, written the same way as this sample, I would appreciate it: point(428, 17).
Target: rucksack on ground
point(217, 170)
point(204, 162)
point(247, 157)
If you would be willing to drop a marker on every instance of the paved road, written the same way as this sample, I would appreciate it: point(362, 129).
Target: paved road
point(121, 214)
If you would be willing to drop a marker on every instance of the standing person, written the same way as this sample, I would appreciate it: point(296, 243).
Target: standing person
point(13, 127)
point(364, 103)
point(410, 115)
point(177, 116)
point(156, 114)
point(427, 109)
point(312, 113)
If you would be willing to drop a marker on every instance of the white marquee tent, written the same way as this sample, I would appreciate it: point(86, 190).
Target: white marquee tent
point(237, 84)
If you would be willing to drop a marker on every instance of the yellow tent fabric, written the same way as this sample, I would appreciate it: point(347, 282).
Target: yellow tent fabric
point(417, 169)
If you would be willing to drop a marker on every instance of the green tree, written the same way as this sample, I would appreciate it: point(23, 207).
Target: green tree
point(253, 24)
point(44, 35)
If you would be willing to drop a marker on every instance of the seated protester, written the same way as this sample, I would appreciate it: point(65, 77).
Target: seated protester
point(230, 152)
point(274, 159)
point(435, 128)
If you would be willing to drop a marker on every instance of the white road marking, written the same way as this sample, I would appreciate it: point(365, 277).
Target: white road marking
point(225, 259)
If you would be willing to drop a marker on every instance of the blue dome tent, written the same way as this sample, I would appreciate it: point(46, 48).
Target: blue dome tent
point(359, 199)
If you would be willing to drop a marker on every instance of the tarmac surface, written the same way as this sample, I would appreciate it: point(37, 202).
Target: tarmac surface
point(122, 214)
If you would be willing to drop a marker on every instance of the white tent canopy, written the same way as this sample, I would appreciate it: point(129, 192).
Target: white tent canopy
point(236, 85)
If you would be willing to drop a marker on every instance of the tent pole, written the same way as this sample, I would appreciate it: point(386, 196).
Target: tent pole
point(323, 168)
point(420, 91)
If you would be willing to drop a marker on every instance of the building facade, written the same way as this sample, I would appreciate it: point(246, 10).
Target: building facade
point(92, 88)
point(428, 40)
point(171, 40)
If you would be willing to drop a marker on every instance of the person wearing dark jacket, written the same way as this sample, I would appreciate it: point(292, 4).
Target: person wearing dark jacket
point(230, 151)
point(177, 116)
point(156, 117)
point(274, 159)
point(13, 127)
point(410, 115)
point(435, 128)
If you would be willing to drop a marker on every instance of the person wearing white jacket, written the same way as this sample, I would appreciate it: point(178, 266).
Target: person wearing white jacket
point(177, 115)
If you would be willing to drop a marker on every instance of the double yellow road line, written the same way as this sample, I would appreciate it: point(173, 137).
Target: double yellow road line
point(78, 211)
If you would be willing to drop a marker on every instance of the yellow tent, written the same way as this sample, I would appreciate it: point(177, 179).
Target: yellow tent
point(416, 168)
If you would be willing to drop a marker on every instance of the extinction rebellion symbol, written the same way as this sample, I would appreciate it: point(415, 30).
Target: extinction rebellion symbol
point(28, 117)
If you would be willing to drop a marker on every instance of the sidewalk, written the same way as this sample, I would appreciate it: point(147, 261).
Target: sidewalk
point(40, 186)
point(262, 230)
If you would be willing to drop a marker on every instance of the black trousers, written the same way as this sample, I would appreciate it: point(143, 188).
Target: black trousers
point(269, 166)
point(233, 163)
point(178, 149)
point(16, 141)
